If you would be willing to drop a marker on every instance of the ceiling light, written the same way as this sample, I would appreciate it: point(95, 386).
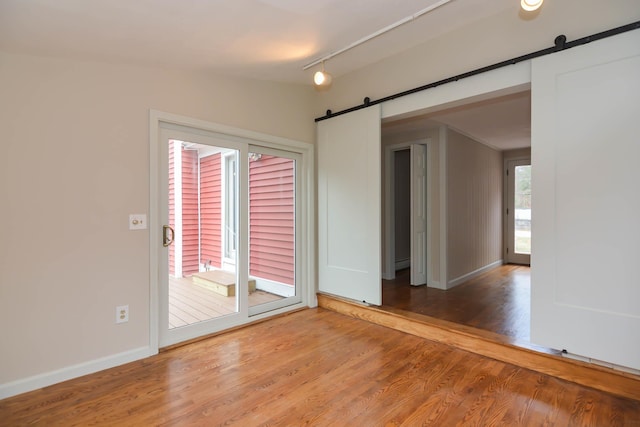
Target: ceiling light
point(322, 78)
point(530, 5)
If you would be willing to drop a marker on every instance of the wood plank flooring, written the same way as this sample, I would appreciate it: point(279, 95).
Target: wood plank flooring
point(489, 344)
point(317, 367)
point(192, 303)
point(497, 301)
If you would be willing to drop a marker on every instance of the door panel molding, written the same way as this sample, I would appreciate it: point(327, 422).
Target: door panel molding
point(585, 287)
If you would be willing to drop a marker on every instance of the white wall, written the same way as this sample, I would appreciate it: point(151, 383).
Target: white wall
point(74, 163)
point(474, 207)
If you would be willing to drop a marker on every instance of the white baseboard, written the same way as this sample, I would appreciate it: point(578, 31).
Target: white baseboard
point(274, 287)
point(471, 275)
point(434, 284)
point(49, 378)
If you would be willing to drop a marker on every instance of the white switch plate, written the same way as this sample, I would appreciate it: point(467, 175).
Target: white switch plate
point(137, 221)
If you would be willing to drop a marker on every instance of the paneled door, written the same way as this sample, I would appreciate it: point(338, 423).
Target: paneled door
point(585, 285)
point(349, 205)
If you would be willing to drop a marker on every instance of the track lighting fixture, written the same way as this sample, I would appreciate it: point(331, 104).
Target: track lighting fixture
point(322, 78)
point(530, 5)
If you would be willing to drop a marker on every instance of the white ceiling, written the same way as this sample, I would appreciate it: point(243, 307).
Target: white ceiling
point(502, 123)
point(262, 39)
point(265, 39)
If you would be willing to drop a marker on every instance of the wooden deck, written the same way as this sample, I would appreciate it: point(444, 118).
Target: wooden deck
point(192, 303)
point(318, 368)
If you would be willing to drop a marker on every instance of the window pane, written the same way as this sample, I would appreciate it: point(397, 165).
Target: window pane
point(202, 211)
point(522, 233)
point(271, 228)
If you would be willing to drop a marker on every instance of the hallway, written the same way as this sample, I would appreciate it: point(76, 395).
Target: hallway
point(498, 301)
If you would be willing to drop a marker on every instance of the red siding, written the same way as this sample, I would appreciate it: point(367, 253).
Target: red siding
point(190, 222)
point(210, 214)
point(272, 219)
point(172, 207)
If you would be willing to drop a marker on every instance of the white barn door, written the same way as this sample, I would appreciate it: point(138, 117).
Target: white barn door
point(585, 145)
point(349, 206)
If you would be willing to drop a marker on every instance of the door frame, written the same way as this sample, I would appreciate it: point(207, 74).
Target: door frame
point(306, 262)
point(388, 264)
point(508, 163)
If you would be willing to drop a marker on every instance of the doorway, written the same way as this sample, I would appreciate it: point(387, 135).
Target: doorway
point(486, 295)
point(406, 202)
point(229, 244)
point(518, 211)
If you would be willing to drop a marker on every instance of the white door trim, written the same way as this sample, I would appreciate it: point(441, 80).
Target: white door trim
point(419, 214)
point(389, 272)
point(503, 81)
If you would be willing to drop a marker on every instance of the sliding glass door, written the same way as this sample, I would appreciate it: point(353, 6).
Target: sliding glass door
point(229, 215)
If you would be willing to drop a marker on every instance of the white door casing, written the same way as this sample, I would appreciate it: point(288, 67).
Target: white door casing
point(418, 214)
point(349, 217)
point(585, 151)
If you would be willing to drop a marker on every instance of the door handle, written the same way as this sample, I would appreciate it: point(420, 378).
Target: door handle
point(166, 240)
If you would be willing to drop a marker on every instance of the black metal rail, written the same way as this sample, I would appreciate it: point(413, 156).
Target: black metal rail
point(560, 43)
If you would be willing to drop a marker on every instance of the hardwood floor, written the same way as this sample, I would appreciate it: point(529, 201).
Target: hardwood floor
point(317, 367)
point(497, 301)
point(191, 303)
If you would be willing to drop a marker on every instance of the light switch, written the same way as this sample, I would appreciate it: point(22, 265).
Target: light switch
point(137, 221)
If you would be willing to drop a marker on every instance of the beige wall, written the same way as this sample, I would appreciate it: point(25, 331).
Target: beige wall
point(74, 163)
point(474, 206)
point(519, 153)
point(490, 40)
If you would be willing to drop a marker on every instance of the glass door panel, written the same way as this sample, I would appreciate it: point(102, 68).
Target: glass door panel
point(272, 230)
point(522, 210)
point(202, 208)
point(518, 240)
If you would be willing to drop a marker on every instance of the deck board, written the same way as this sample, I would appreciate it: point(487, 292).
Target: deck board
point(191, 303)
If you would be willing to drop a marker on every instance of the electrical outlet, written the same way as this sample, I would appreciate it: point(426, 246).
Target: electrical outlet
point(122, 313)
